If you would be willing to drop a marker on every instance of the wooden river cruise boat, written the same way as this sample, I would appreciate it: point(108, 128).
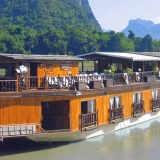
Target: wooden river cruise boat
point(44, 98)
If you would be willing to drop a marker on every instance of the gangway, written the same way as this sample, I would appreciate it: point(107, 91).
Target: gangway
point(19, 130)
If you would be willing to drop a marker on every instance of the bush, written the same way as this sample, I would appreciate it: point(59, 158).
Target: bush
point(127, 70)
point(111, 70)
point(155, 66)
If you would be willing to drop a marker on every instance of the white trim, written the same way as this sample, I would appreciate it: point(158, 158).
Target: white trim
point(132, 56)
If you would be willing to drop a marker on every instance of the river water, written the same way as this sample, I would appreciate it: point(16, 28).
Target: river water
point(134, 143)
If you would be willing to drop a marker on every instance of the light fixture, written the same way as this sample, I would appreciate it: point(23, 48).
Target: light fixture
point(139, 69)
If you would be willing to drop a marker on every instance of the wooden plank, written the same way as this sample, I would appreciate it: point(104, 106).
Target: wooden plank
point(127, 101)
point(102, 107)
point(74, 114)
point(147, 97)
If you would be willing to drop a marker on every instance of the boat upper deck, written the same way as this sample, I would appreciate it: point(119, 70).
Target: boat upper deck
point(79, 85)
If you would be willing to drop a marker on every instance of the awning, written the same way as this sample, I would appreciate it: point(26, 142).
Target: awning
point(131, 56)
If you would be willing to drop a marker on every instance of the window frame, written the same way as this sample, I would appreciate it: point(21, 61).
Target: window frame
point(8, 70)
point(88, 106)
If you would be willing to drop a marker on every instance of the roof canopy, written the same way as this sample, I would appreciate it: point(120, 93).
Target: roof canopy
point(131, 56)
point(39, 58)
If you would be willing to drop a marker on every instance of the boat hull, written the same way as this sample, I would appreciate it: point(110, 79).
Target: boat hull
point(90, 133)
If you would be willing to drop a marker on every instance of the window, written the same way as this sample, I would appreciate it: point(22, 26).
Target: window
point(89, 115)
point(137, 97)
point(6, 70)
point(155, 94)
point(88, 106)
point(115, 102)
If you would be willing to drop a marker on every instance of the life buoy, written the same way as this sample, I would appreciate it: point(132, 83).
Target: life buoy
point(137, 77)
point(125, 76)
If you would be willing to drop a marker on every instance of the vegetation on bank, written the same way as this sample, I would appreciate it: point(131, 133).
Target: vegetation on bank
point(73, 41)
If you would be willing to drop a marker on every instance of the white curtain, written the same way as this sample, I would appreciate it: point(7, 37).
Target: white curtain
point(117, 101)
point(139, 98)
point(156, 93)
point(112, 102)
point(134, 98)
point(91, 106)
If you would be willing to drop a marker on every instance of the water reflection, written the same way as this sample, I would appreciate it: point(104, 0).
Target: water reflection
point(133, 143)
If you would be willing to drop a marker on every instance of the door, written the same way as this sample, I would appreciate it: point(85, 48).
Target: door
point(55, 115)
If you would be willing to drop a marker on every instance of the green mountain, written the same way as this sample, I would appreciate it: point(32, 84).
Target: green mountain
point(46, 14)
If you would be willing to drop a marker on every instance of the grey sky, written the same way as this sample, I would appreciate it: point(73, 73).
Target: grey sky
point(115, 14)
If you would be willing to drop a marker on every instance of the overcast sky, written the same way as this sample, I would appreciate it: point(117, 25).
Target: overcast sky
point(115, 14)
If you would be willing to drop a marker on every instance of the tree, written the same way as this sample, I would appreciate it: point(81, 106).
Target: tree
point(119, 43)
point(146, 44)
point(131, 35)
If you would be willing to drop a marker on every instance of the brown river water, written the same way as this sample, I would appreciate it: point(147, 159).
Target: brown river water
point(140, 142)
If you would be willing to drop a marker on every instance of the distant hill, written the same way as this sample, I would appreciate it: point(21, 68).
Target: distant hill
point(143, 27)
point(45, 14)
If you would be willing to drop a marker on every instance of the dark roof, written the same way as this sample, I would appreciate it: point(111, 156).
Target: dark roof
point(40, 58)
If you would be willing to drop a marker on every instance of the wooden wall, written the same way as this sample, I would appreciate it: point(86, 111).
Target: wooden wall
point(29, 110)
point(54, 70)
point(19, 111)
point(57, 69)
point(3, 60)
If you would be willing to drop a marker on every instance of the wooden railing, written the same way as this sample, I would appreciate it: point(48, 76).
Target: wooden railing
point(8, 85)
point(89, 120)
point(67, 82)
point(34, 82)
point(155, 104)
point(138, 109)
point(116, 114)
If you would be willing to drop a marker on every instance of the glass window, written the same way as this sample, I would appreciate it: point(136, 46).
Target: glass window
point(88, 106)
point(115, 102)
point(155, 94)
point(6, 70)
point(91, 106)
point(137, 97)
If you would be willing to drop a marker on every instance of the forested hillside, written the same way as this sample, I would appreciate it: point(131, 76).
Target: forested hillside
point(45, 14)
point(58, 26)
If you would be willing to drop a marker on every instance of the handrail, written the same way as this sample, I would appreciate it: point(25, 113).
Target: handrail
point(19, 130)
point(116, 114)
point(89, 119)
point(38, 125)
point(155, 104)
point(138, 108)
